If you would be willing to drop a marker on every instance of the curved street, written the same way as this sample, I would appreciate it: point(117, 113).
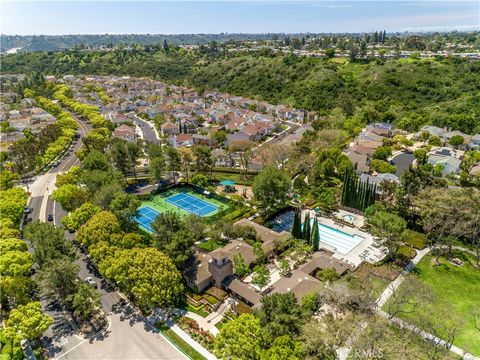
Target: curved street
point(129, 335)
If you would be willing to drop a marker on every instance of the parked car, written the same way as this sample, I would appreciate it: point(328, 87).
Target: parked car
point(50, 217)
point(26, 210)
point(90, 281)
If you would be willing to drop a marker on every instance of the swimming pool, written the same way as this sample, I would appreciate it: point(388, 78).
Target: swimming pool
point(337, 239)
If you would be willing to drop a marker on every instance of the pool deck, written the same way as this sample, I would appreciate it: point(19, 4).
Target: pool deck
point(365, 250)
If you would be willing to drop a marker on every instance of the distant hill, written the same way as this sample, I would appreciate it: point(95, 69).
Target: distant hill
point(407, 92)
point(30, 43)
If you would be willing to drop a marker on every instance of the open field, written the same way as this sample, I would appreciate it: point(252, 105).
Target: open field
point(456, 288)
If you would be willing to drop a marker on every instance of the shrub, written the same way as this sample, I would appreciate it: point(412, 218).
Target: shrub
point(405, 253)
point(327, 274)
point(217, 293)
point(243, 308)
point(416, 239)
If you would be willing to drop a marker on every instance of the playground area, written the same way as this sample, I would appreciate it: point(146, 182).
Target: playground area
point(183, 201)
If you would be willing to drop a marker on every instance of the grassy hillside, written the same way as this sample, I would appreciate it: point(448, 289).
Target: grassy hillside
point(410, 92)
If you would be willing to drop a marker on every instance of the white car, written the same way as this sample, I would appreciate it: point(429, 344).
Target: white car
point(90, 281)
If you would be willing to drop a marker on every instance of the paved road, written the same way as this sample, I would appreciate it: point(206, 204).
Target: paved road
point(147, 130)
point(128, 336)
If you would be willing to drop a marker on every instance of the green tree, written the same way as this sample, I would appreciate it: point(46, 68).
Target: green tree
point(326, 198)
point(434, 141)
point(383, 167)
point(12, 244)
point(106, 193)
point(7, 179)
point(200, 180)
point(173, 237)
point(306, 232)
point(173, 161)
point(27, 322)
point(261, 276)
point(101, 227)
point(80, 216)
point(456, 141)
point(96, 160)
point(241, 269)
point(388, 229)
point(70, 196)
point(157, 167)
point(71, 177)
point(240, 338)
point(297, 224)
point(12, 203)
point(280, 315)
point(259, 253)
point(203, 159)
point(315, 237)
point(421, 156)
point(48, 243)
point(284, 267)
point(382, 153)
point(271, 187)
point(15, 290)
point(125, 208)
point(147, 275)
point(86, 301)
point(330, 53)
point(15, 263)
point(283, 347)
point(57, 280)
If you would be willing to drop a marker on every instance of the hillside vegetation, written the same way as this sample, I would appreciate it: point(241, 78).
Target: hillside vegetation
point(444, 92)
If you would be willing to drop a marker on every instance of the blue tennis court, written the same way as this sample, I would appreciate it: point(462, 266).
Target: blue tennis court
point(146, 216)
point(191, 204)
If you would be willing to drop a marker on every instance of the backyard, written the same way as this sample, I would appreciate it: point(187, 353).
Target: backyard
point(456, 288)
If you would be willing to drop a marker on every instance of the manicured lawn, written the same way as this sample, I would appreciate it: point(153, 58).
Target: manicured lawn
point(458, 289)
point(199, 310)
point(177, 340)
point(240, 179)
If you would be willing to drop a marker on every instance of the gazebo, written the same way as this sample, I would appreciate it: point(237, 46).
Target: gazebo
point(229, 185)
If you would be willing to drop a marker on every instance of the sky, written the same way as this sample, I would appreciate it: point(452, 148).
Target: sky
point(186, 17)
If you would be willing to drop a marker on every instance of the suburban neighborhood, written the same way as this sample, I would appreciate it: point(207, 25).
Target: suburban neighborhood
point(279, 197)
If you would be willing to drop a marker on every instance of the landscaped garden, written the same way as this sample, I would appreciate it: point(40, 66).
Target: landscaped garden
point(178, 341)
point(456, 289)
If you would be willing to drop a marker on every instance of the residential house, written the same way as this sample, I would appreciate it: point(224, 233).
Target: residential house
point(181, 140)
point(169, 128)
point(125, 132)
point(270, 238)
point(378, 180)
point(432, 130)
point(474, 142)
point(446, 159)
point(222, 158)
point(213, 268)
point(448, 135)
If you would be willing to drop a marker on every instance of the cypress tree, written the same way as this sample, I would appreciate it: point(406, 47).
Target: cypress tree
point(185, 131)
point(180, 127)
point(306, 229)
point(315, 235)
point(296, 226)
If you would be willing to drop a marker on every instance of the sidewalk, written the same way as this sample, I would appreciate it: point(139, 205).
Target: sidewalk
point(159, 314)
